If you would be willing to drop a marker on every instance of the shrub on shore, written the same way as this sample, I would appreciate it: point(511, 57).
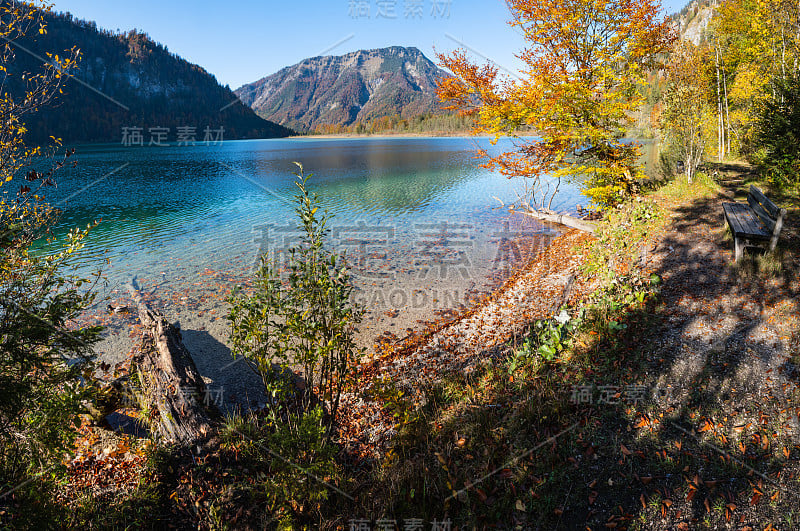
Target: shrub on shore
point(305, 320)
point(43, 358)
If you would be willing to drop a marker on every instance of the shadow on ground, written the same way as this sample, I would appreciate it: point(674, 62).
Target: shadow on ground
point(711, 438)
point(231, 382)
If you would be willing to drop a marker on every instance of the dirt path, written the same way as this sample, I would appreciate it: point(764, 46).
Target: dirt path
point(725, 361)
point(731, 328)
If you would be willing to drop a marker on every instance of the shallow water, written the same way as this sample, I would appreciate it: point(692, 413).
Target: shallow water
point(177, 211)
point(419, 220)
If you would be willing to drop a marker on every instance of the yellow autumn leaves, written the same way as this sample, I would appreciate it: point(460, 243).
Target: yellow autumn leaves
point(585, 63)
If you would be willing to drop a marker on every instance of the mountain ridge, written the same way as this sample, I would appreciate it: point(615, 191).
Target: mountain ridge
point(346, 89)
point(692, 21)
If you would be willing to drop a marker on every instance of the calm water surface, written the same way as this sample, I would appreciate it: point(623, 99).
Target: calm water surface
point(172, 212)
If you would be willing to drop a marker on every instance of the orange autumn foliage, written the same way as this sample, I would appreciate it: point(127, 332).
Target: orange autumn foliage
point(585, 64)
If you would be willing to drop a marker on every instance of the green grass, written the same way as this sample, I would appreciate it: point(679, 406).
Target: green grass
point(761, 264)
point(702, 186)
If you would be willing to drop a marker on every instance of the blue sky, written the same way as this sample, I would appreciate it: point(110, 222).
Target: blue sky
point(241, 41)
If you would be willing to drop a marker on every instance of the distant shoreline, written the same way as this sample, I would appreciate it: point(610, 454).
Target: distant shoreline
point(443, 134)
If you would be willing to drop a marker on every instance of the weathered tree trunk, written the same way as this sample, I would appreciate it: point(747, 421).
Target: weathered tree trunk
point(170, 387)
point(562, 219)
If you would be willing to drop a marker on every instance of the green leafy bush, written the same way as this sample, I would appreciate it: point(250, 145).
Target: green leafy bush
point(43, 355)
point(289, 469)
point(621, 238)
point(547, 339)
point(305, 321)
point(553, 336)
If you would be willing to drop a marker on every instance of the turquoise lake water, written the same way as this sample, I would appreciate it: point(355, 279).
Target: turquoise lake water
point(397, 204)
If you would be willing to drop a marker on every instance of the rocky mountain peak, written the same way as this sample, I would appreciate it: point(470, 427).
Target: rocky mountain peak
point(346, 89)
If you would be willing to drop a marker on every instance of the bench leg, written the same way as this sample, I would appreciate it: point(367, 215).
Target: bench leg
point(738, 247)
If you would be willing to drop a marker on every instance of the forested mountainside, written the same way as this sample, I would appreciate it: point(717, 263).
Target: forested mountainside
point(126, 80)
point(692, 21)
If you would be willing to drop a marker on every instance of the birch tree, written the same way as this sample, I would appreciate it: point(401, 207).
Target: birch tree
point(687, 115)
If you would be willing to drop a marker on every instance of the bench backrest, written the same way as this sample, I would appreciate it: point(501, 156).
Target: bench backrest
point(767, 211)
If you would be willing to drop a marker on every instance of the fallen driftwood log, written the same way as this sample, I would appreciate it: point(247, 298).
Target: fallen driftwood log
point(170, 387)
point(561, 219)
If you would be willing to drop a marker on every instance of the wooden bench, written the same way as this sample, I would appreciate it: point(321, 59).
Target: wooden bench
point(755, 224)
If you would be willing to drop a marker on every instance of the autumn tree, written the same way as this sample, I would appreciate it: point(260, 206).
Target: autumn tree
point(585, 65)
point(42, 357)
point(778, 134)
point(757, 44)
point(686, 115)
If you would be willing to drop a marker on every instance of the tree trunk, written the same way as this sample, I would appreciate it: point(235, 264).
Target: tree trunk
point(720, 119)
point(562, 219)
point(727, 109)
point(170, 387)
